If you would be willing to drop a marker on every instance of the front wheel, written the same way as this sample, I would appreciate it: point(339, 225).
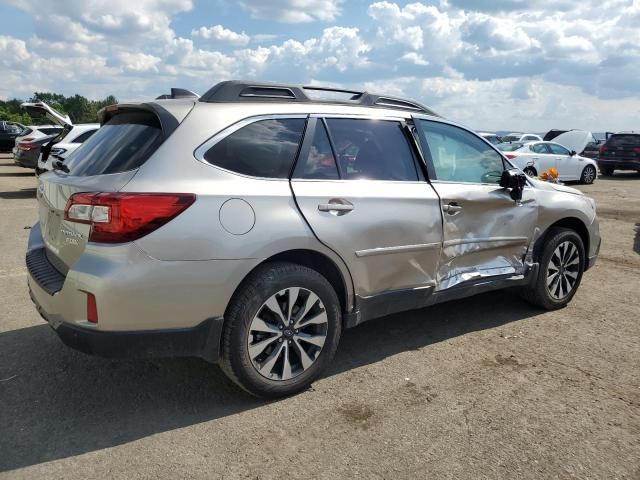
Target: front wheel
point(588, 175)
point(281, 330)
point(561, 261)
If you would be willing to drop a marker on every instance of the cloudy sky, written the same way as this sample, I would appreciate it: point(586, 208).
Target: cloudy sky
point(491, 64)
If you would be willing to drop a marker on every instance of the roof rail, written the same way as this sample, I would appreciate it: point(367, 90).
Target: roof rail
point(232, 91)
point(178, 93)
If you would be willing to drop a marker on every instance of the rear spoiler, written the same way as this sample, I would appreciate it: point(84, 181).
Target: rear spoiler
point(178, 93)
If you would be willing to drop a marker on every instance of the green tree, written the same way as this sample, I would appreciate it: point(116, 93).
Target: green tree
point(79, 108)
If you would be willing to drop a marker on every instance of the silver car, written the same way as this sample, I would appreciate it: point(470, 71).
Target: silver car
point(250, 226)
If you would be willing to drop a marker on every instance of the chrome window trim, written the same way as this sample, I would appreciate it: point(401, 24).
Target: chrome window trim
point(199, 152)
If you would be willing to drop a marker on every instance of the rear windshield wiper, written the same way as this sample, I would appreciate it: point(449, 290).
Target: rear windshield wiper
point(58, 165)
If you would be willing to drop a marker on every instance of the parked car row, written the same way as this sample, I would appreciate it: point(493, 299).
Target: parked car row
point(576, 154)
point(42, 147)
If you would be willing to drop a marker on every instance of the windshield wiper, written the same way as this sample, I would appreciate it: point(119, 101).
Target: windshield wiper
point(58, 165)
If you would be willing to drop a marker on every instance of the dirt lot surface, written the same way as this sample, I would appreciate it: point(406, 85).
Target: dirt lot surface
point(487, 387)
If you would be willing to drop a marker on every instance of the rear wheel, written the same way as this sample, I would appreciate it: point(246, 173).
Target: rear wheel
point(530, 171)
point(281, 330)
point(561, 261)
point(607, 171)
point(588, 175)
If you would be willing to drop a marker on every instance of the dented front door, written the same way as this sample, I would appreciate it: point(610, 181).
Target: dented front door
point(486, 233)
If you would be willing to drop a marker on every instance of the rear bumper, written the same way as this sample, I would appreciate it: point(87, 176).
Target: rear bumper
point(202, 341)
point(146, 307)
point(620, 164)
point(25, 161)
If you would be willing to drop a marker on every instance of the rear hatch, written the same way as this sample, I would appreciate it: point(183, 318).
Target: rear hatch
point(40, 108)
point(106, 162)
point(621, 147)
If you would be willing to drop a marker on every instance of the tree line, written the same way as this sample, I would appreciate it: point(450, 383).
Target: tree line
point(80, 109)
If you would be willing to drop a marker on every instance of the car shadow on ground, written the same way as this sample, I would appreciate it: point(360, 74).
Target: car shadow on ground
point(636, 240)
point(621, 175)
point(19, 194)
point(58, 403)
point(17, 174)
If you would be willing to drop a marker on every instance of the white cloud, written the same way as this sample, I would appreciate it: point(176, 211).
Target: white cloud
point(221, 34)
point(293, 11)
point(139, 62)
point(513, 61)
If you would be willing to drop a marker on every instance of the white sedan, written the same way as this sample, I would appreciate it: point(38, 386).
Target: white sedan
point(537, 157)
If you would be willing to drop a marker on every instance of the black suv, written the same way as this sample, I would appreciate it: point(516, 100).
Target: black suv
point(621, 151)
point(8, 133)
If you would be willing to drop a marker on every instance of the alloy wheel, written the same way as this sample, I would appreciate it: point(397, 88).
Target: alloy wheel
point(563, 270)
point(287, 334)
point(589, 175)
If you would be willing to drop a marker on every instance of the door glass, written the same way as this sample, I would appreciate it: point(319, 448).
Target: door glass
point(539, 148)
point(372, 149)
point(459, 156)
point(320, 163)
point(266, 148)
point(558, 149)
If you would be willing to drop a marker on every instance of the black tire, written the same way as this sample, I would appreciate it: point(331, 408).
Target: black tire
point(538, 293)
point(530, 171)
point(589, 174)
point(606, 171)
point(260, 286)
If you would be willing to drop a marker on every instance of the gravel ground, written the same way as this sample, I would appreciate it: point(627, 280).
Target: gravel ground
point(486, 387)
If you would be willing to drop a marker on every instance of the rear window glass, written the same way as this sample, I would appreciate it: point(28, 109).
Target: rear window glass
point(622, 140)
point(266, 148)
point(124, 143)
point(50, 130)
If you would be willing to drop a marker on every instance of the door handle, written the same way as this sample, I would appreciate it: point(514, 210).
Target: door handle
point(452, 208)
point(336, 207)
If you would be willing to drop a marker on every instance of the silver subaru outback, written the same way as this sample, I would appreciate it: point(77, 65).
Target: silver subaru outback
point(251, 225)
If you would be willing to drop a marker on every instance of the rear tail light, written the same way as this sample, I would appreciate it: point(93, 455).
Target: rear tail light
point(603, 149)
point(27, 146)
point(124, 217)
point(92, 308)
point(511, 156)
point(28, 139)
point(636, 149)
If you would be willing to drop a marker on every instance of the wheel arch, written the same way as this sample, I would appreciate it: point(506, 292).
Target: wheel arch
point(571, 223)
point(317, 261)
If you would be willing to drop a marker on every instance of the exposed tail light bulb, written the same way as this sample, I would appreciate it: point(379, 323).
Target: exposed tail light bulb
point(511, 156)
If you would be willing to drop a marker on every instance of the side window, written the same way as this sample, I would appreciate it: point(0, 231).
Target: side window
point(266, 148)
point(459, 156)
point(81, 138)
point(372, 149)
point(558, 149)
point(319, 162)
point(540, 148)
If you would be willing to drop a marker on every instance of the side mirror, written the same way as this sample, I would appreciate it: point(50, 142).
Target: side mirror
point(515, 180)
point(573, 152)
